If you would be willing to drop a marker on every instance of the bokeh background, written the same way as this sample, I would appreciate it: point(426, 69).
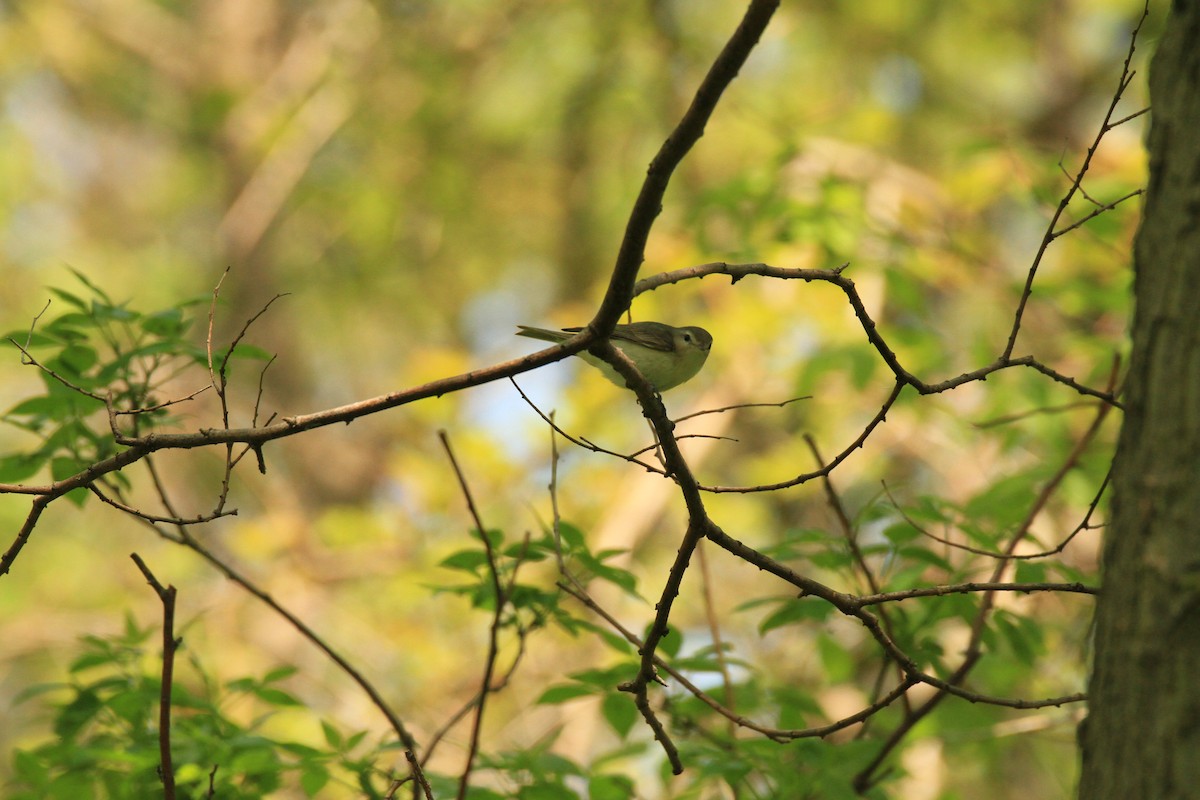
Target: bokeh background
point(420, 177)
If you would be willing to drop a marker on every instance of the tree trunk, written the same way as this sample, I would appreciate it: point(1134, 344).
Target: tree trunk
point(1141, 740)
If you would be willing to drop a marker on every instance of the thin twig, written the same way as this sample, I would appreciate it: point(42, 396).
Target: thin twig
point(183, 537)
point(714, 627)
point(166, 594)
point(418, 774)
point(1052, 230)
point(199, 519)
point(973, 650)
point(850, 535)
point(737, 406)
point(967, 588)
point(501, 600)
point(581, 442)
point(829, 466)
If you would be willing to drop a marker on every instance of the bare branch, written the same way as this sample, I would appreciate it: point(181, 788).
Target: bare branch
point(501, 600)
point(170, 645)
point(965, 588)
point(689, 130)
point(1052, 229)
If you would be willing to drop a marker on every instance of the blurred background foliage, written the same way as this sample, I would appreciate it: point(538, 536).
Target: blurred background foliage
point(419, 177)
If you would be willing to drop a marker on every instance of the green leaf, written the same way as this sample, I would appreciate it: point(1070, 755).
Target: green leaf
point(795, 707)
point(276, 697)
point(29, 769)
point(1068, 573)
point(254, 754)
point(796, 610)
point(556, 695)
point(243, 351)
point(1005, 502)
point(279, 673)
point(832, 559)
point(75, 327)
point(69, 786)
point(901, 533)
point(620, 712)
point(613, 640)
point(69, 299)
point(628, 750)
point(77, 713)
point(78, 358)
point(671, 643)
point(838, 663)
point(927, 650)
point(332, 737)
point(605, 679)
point(19, 466)
point(183, 697)
point(47, 407)
point(134, 705)
point(107, 312)
point(477, 793)
point(313, 778)
point(610, 787)
point(572, 537)
point(64, 467)
point(92, 287)
point(36, 690)
point(622, 578)
point(465, 560)
point(30, 340)
point(863, 363)
point(167, 323)
point(1030, 572)
point(925, 555)
point(930, 510)
point(545, 792)
point(1022, 635)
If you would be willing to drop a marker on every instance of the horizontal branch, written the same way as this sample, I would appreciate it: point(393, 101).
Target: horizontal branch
point(980, 586)
point(834, 276)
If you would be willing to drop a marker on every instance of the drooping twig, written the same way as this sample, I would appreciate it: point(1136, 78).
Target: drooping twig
point(579, 441)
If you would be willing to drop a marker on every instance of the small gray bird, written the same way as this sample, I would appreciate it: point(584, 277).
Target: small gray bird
point(666, 356)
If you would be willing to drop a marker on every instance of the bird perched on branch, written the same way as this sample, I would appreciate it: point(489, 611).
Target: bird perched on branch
point(666, 356)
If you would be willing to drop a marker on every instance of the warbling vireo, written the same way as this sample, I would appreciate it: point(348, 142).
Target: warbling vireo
point(666, 356)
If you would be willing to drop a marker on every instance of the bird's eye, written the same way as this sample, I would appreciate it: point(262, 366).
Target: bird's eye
point(687, 337)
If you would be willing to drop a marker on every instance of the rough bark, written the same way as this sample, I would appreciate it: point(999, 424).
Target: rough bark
point(1142, 736)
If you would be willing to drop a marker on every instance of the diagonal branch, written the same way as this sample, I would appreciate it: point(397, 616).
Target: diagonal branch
point(689, 130)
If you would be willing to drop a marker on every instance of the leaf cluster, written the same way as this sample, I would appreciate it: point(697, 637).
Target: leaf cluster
point(106, 741)
point(96, 356)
